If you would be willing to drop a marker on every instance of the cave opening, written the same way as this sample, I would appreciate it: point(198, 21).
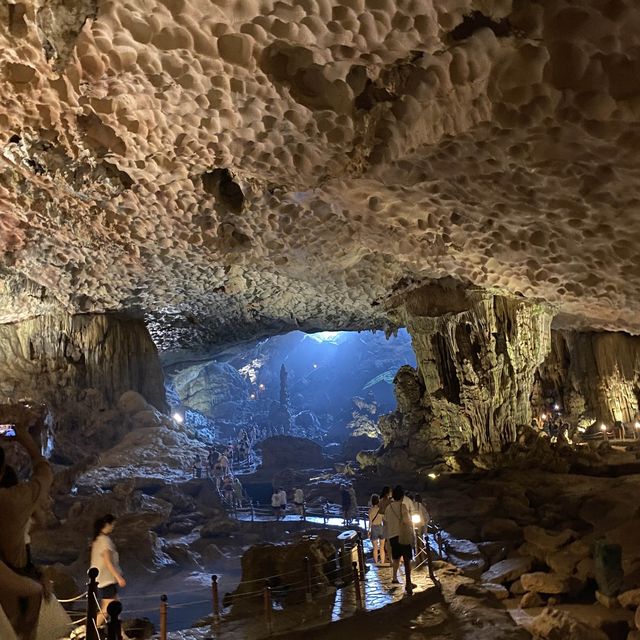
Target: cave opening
point(330, 387)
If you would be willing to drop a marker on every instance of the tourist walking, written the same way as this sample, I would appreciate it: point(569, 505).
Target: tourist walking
point(400, 532)
point(345, 496)
point(223, 461)
point(275, 504)
point(298, 501)
point(228, 490)
point(105, 558)
point(237, 492)
point(376, 530)
point(283, 501)
point(197, 467)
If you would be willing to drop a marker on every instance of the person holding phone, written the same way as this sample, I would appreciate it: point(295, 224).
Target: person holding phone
point(18, 502)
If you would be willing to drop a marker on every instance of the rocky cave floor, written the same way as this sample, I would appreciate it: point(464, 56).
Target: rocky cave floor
point(515, 540)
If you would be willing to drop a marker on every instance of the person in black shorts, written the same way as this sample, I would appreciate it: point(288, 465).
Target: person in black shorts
point(398, 519)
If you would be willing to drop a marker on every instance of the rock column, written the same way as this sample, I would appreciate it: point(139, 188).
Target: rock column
point(477, 354)
point(593, 375)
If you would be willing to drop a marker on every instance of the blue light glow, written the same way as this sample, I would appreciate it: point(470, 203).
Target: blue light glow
point(326, 336)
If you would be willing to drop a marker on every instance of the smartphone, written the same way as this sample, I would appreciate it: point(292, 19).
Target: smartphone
point(7, 430)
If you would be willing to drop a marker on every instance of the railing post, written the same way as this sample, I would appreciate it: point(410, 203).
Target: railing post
point(214, 595)
point(252, 512)
point(307, 566)
point(304, 511)
point(92, 604)
point(432, 575)
point(163, 617)
point(361, 563)
point(356, 585)
point(324, 513)
point(268, 608)
point(114, 629)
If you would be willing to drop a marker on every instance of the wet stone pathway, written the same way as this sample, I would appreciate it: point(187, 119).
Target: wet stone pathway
point(330, 606)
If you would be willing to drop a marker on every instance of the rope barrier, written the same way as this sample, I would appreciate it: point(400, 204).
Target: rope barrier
point(73, 599)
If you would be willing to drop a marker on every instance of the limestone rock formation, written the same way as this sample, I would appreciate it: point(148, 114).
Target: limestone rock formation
point(214, 389)
point(79, 367)
point(477, 355)
point(287, 563)
point(280, 452)
point(241, 167)
point(553, 624)
point(594, 376)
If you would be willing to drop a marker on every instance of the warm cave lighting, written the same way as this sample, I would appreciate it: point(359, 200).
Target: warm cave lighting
point(178, 417)
point(556, 407)
point(543, 416)
point(603, 427)
point(433, 476)
point(415, 518)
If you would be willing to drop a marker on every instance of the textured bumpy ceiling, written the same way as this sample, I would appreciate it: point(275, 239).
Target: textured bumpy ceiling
point(232, 167)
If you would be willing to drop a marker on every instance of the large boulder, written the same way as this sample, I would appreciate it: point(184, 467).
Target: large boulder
point(152, 457)
point(547, 540)
point(466, 555)
point(285, 564)
point(566, 560)
point(553, 624)
point(630, 599)
point(131, 402)
point(501, 529)
point(354, 444)
point(281, 452)
point(507, 570)
point(540, 582)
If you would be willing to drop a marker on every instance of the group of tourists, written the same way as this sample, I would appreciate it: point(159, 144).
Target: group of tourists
point(396, 521)
point(279, 502)
point(220, 462)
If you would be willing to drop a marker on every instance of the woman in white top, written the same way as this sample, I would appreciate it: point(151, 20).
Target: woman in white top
point(376, 530)
point(396, 518)
point(105, 558)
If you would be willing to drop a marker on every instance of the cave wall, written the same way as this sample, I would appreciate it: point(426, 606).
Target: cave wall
point(477, 355)
point(217, 390)
point(80, 366)
point(591, 374)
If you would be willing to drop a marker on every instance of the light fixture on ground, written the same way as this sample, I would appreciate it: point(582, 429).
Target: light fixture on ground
point(178, 417)
point(415, 518)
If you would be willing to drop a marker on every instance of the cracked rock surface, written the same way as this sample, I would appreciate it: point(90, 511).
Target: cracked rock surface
point(242, 167)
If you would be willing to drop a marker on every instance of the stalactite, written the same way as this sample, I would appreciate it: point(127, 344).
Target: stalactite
point(593, 375)
point(476, 368)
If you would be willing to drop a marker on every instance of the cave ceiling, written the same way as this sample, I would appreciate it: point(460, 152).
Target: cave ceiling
point(234, 168)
